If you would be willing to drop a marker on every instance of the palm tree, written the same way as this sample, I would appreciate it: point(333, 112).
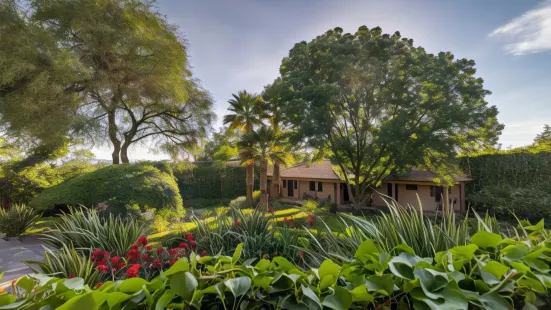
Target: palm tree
point(265, 146)
point(273, 101)
point(247, 112)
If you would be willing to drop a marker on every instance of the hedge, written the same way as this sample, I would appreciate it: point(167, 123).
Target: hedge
point(146, 184)
point(211, 180)
point(518, 182)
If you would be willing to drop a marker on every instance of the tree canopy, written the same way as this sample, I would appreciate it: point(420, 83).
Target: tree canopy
point(376, 105)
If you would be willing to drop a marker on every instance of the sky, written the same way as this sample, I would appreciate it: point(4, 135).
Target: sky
point(239, 44)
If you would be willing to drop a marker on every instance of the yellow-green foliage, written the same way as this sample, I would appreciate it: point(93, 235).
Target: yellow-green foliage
point(145, 184)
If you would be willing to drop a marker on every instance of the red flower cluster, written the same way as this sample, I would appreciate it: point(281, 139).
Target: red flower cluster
point(271, 210)
point(237, 222)
point(141, 255)
point(311, 220)
point(290, 221)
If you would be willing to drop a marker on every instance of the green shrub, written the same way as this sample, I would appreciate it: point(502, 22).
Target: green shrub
point(241, 202)
point(118, 186)
point(66, 263)
point(489, 273)
point(15, 220)
point(86, 230)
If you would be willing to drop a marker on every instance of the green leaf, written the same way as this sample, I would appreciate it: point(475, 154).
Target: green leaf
point(26, 283)
point(205, 259)
point(238, 286)
point(360, 294)
point(431, 281)
point(496, 268)
point(382, 284)
point(263, 265)
point(74, 283)
point(486, 239)
point(88, 301)
point(165, 299)
point(181, 265)
point(328, 268)
point(6, 299)
point(339, 300)
point(132, 285)
point(327, 281)
point(402, 265)
point(282, 264)
point(116, 298)
point(366, 248)
point(494, 301)
point(237, 253)
point(401, 248)
point(532, 284)
point(184, 284)
point(308, 292)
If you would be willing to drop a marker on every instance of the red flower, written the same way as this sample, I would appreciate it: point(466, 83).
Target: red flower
point(292, 222)
point(157, 264)
point(149, 248)
point(172, 252)
point(133, 254)
point(285, 219)
point(102, 268)
point(172, 262)
point(133, 271)
point(97, 252)
point(98, 285)
point(160, 251)
point(120, 265)
point(311, 222)
point(71, 276)
point(146, 257)
point(193, 244)
point(189, 237)
point(115, 260)
point(106, 254)
point(204, 253)
point(301, 255)
point(142, 240)
point(102, 262)
point(183, 245)
point(237, 222)
point(310, 215)
point(135, 247)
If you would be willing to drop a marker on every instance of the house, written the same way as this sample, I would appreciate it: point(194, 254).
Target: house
point(320, 181)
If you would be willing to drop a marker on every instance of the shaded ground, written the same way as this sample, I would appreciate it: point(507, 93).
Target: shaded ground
point(13, 252)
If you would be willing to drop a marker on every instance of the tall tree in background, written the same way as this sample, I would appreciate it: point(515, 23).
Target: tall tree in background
point(264, 146)
point(247, 111)
point(377, 105)
point(117, 70)
point(544, 138)
point(272, 98)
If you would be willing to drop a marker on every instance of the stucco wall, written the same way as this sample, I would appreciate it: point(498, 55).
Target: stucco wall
point(406, 197)
point(303, 187)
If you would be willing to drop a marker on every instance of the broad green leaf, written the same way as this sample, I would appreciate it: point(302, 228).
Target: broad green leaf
point(26, 283)
point(88, 301)
point(132, 285)
point(181, 265)
point(237, 253)
point(366, 248)
point(74, 283)
point(116, 298)
point(205, 259)
point(184, 284)
point(262, 281)
point(339, 300)
point(6, 299)
point(496, 268)
point(532, 284)
point(431, 281)
point(494, 301)
point(402, 265)
point(401, 248)
point(486, 239)
point(328, 268)
point(238, 286)
point(165, 299)
point(327, 281)
point(282, 264)
point(382, 284)
point(262, 265)
point(308, 292)
point(536, 227)
point(519, 267)
point(360, 294)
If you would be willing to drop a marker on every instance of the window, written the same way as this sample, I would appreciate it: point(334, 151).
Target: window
point(389, 189)
point(295, 183)
point(312, 186)
point(320, 187)
point(411, 187)
point(284, 183)
point(449, 190)
point(432, 191)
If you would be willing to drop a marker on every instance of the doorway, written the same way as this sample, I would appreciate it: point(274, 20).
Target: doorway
point(344, 191)
point(290, 188)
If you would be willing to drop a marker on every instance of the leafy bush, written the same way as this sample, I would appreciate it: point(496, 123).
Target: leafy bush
point(15, 220)
point(489, 273)
point(505, 202)
point(241, 202)
point(87, 229)
point(117, 186)
point(66, 262)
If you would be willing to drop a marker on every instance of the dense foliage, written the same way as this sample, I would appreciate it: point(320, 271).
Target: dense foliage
point(146, 184)
point(508, 182)
point(489, 273)
point(210, 180)
point(378, 104)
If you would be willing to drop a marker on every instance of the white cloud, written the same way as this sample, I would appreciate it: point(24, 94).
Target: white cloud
point(530, 32)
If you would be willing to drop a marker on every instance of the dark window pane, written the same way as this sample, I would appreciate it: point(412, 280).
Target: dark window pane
point(411, 187)
point(320, 187)
point(296, 184)
point(312, 186)
point(284, 183)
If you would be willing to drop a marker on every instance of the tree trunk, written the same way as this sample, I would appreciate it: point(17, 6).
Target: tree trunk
point(113, 137)
point(124, 153)
point(446, 202)
point(263, 186)
point(250, 185)
point(276, 179)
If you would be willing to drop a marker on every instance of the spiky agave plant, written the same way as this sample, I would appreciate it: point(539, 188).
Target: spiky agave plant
point(17, 219)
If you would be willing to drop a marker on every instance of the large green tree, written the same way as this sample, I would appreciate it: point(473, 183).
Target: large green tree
point(117, 70)
point(247, 111)
point(376, 105)
point(264, 146)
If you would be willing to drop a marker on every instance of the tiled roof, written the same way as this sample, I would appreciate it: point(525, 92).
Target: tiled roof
point(324, 170)
point(316, 170)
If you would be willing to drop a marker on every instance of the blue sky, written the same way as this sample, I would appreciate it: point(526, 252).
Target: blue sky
point(239, 44)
